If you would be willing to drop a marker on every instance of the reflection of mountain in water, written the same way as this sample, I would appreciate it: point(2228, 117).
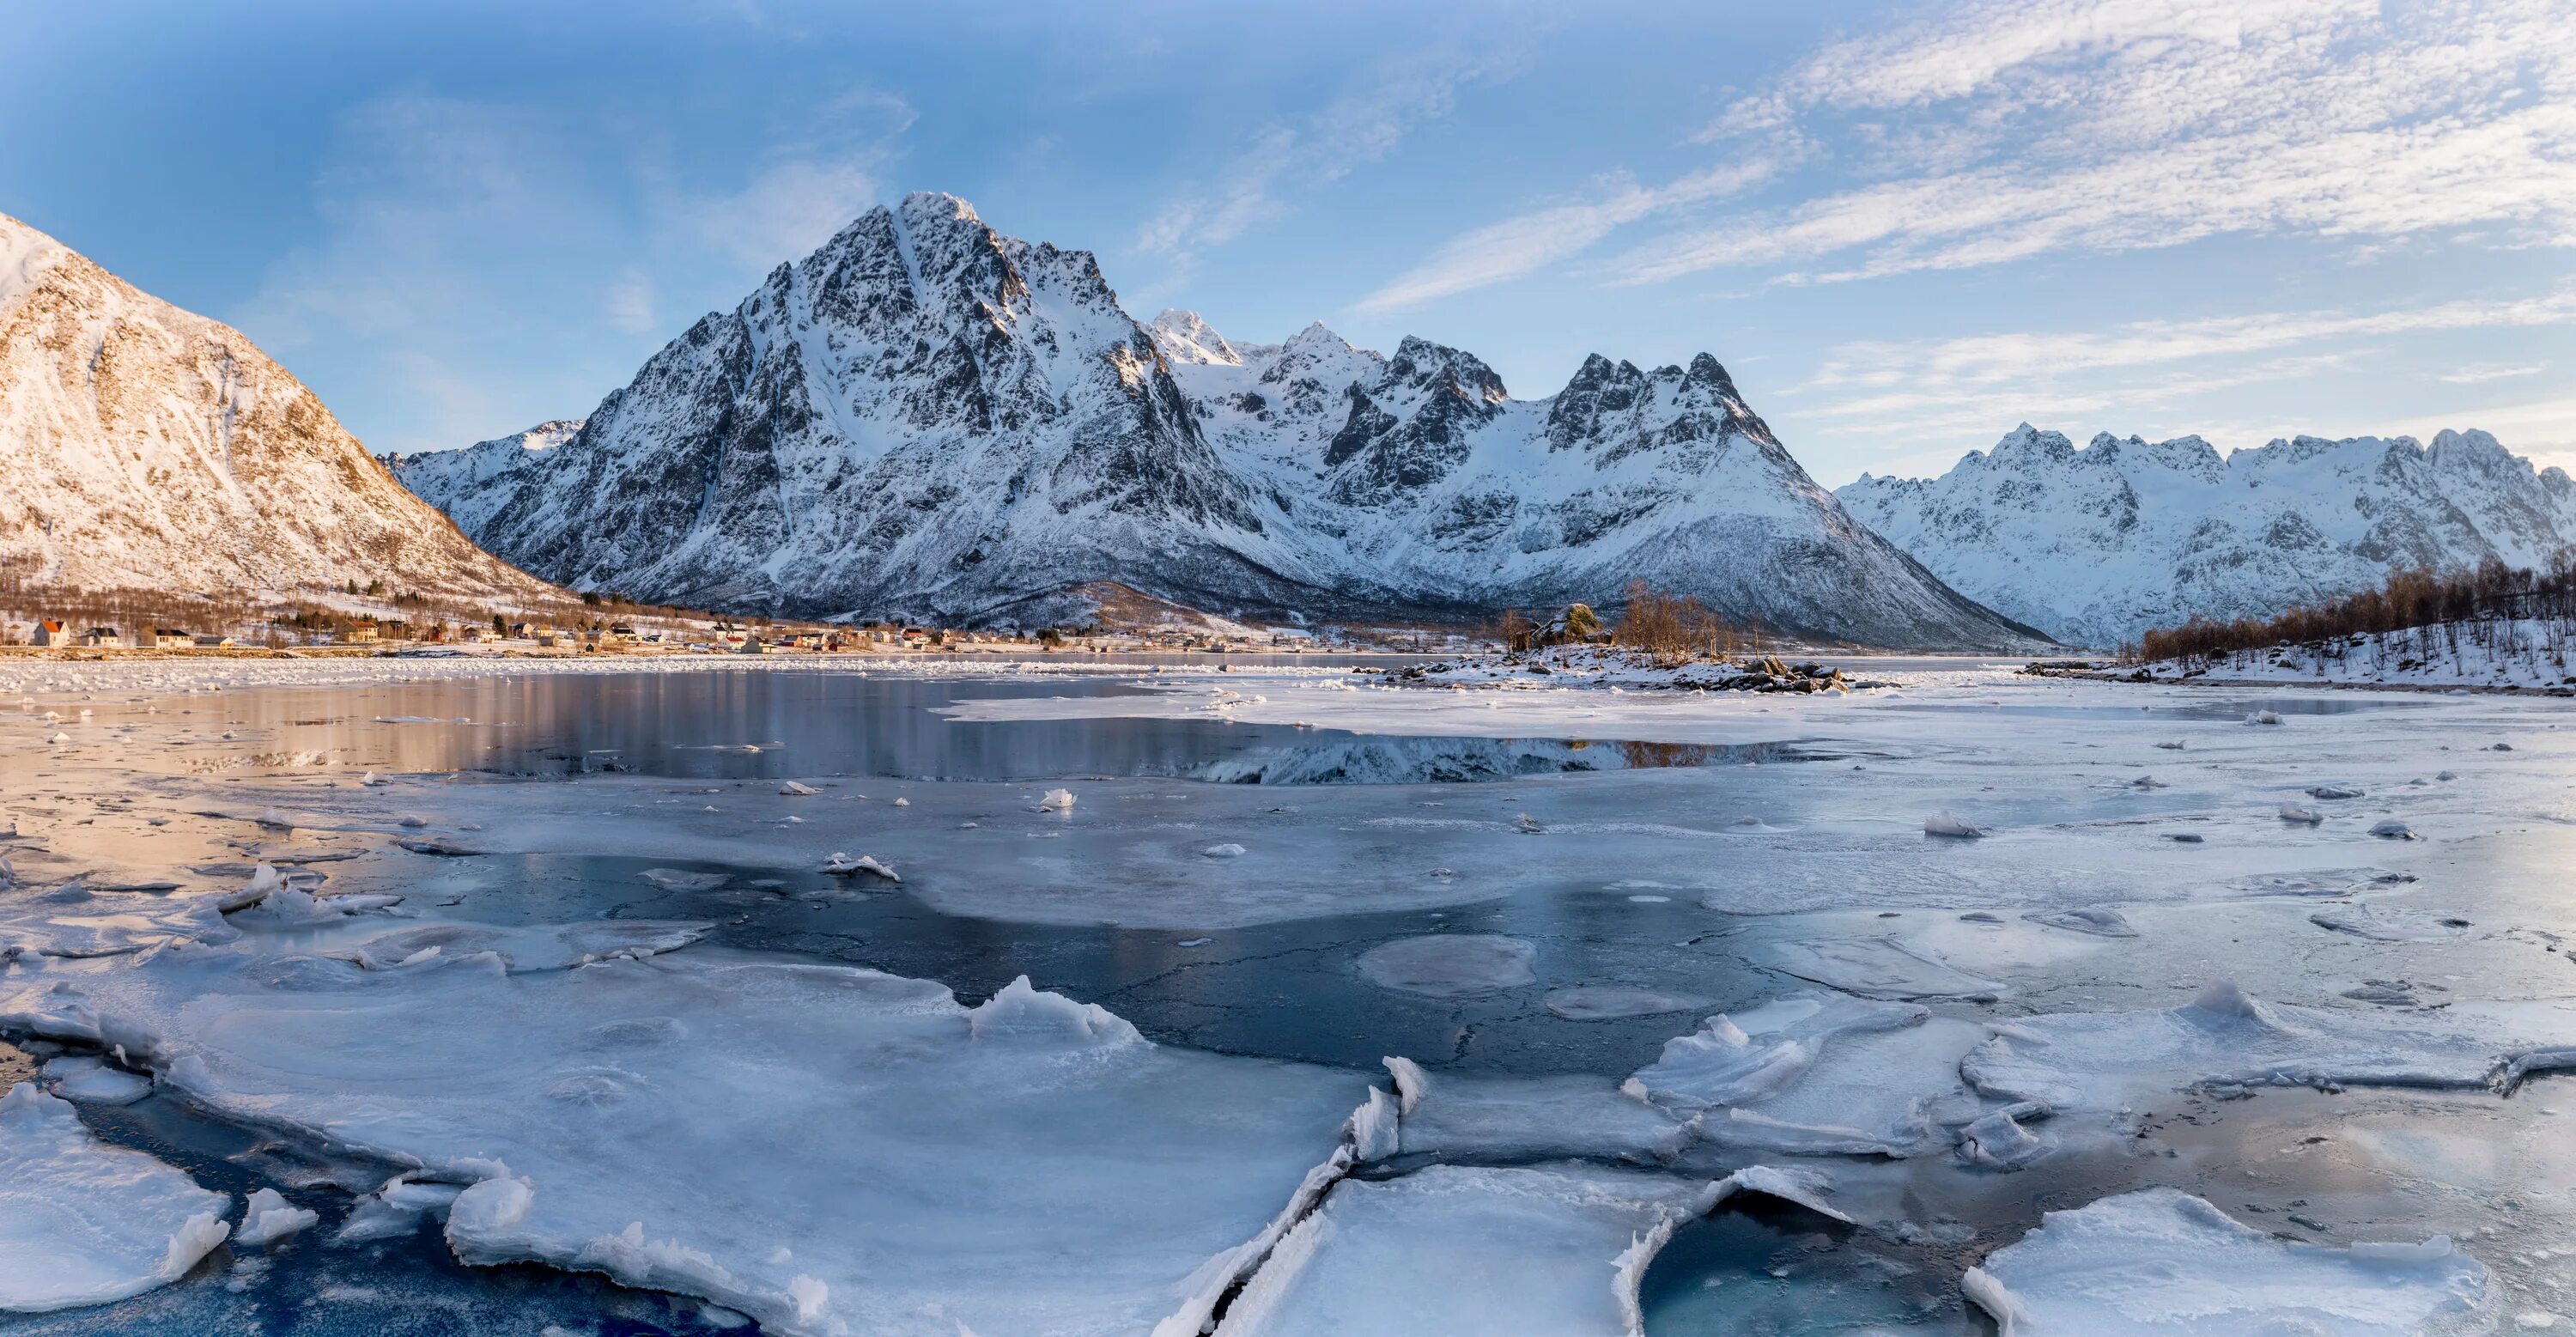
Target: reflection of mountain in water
point(1401, 761)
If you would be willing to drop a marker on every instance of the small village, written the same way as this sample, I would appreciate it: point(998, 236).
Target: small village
point(384, 635)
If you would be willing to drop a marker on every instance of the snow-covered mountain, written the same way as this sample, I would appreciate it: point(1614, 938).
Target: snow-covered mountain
point(2095, 544)
point(926, 417)
point(142, 446)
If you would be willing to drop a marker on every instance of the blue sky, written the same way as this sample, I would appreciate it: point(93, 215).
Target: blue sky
point(1905, 227)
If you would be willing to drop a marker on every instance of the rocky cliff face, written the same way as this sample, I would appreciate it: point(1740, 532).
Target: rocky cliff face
point(142, 446)
point(2095, 544)
point(926, 417)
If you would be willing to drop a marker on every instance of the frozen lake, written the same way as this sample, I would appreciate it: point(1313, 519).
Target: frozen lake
point(1351, 1007)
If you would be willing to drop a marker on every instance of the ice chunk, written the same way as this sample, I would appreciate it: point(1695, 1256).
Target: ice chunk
point(1450, 965)
point(397, 1209)
point(796, 789)
point(2103, 1060)
point(1057, 800)
point(1999, 1142)
point(2389, 828)
point(2263, 717)
point(1817, 1074)
point(1602, 1002)
point(89, 1081)
point(293, 908)
point(1735, 1060)
point(2160, 1261)
point(84, 1223)
point(270, 1218)
point(2333, 791)
point(1951, 825)
point(1877, 967)
point(842, 865)
point(1228, 850)
point(2301, 814)
point(2101, 923)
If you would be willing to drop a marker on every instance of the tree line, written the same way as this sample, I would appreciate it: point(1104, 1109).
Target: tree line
point(2416, 599)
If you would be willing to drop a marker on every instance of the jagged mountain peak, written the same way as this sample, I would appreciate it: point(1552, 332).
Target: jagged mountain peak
point(1184, 336)
point(927, 417)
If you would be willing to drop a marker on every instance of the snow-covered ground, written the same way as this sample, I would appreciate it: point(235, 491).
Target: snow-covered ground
point(2527, 654)
point(1565, 1050)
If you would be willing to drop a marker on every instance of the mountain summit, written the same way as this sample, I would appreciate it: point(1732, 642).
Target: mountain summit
point(925, 417)
point(145, 447)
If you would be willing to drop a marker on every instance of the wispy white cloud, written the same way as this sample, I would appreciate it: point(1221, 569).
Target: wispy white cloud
point(2024, 357)
point(2034, 126)
point(2145, 376)
point(2492, 372)
point(1279, 162)
point(1526, 243)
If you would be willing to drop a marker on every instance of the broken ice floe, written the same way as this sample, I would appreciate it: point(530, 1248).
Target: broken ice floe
point(2161, 1261)
point(83, 1222)
point(1539, 1251)
point(87, 1080)
point(268, 1218)
point(2390, 828)
point(2301, 815)
point(1814, 1074)
point(798, 789)
point(1057, 800)
point(2223, 1039)
point(1027, 1165)
point(1459, 1116)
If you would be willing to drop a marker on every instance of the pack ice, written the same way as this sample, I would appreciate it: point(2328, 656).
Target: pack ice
point(828, 1149)
point(2159, 1262)
point(82, 1222)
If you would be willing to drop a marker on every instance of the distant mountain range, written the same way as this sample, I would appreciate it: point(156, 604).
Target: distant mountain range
point(926, 418)
point(2095, 544)
point(143, 447)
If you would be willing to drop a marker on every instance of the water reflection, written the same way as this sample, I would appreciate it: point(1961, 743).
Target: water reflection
point(778, 725)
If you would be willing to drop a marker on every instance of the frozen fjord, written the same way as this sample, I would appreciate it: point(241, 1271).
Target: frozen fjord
point(1710, 882)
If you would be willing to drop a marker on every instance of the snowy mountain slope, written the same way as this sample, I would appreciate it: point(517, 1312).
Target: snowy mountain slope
point(2095, 544)
point(469, 474)
point(143, 446)
point(926, 417)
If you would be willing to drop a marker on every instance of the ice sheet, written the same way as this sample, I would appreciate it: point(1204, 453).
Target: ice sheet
point(82, 1222)
point(2157, 1263)
point(1543, 1251)
point(828, 1149)
point(2103, 1060)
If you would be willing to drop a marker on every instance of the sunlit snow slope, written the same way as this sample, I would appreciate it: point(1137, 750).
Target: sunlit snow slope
point(927, 417)
point(2095, 544)
point(143, 446)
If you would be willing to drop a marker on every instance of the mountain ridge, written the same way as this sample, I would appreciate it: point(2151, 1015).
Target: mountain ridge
point(144, 446)
point(2099, 542)
point(925, 417)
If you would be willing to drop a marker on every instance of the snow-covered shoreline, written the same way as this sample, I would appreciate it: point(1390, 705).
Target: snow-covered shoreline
point(2522, 655)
